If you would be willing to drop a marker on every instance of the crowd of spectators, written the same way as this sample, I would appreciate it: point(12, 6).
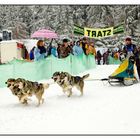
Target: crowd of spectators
point(84, 46)
point(62, 50)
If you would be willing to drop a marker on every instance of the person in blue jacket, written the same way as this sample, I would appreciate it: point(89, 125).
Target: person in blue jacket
point(77, 49)
point(32, 53)
point(40, 51)
point(54, 51)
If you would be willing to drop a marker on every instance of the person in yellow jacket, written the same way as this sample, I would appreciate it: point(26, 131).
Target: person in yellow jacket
point(90, 49)
point(116, 55)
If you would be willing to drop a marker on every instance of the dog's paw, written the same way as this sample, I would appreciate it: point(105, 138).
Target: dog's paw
point(25, 102)
point(42, 101)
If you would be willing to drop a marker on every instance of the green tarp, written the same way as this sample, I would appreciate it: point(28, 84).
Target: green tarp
point(114, 61)
point(44, 69)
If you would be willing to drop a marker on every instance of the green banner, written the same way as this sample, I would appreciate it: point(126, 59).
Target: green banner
point(118, 29)
point(78, 30)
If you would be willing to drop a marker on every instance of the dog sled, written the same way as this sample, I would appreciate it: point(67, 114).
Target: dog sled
point(126, 74)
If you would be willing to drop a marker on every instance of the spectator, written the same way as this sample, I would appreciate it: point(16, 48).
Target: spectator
point(116, 55)
point(72, 44)
point(105, 58)
point(40, 51)
point(90, 49)
point(77, 50)
point(54, 51)
point(64, 50)
point(49, 48)
point(84, 45)
point(98, 57)
point(32, 53)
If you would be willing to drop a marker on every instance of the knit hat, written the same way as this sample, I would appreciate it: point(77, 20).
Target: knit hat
point(128, 38)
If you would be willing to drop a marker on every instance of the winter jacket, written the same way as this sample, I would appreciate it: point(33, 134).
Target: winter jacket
point(48, 50)
point(77, 50)
point(84, 46)
point(105, 58)
point(31, 55)
point(98, 56)
point(37, 55)
point(64, 51)
point(116, 56)
point(130, 47)
point(54, 52)
point(90, 50)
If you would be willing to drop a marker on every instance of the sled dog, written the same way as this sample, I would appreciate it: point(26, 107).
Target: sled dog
point(23, 89)
point(66, 81)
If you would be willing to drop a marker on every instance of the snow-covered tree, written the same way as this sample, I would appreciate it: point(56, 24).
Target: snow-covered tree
point(61, 18)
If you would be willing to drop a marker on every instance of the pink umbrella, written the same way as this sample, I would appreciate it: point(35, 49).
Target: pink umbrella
point(44, 33)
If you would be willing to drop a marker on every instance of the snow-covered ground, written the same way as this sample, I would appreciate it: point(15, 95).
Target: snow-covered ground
point(102, 110)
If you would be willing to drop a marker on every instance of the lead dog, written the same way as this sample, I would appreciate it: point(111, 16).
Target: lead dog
point(15, 90)
point(67, 82)
point(24, 89)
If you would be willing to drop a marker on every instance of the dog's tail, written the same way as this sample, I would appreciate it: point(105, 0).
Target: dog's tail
point(46, 85)
point(85, 76)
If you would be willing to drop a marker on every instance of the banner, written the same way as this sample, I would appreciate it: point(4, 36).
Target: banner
point(78, 30)
point(118, 29)
point(98, 33)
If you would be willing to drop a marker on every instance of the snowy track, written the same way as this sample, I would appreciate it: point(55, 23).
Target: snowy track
point(102, 110)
